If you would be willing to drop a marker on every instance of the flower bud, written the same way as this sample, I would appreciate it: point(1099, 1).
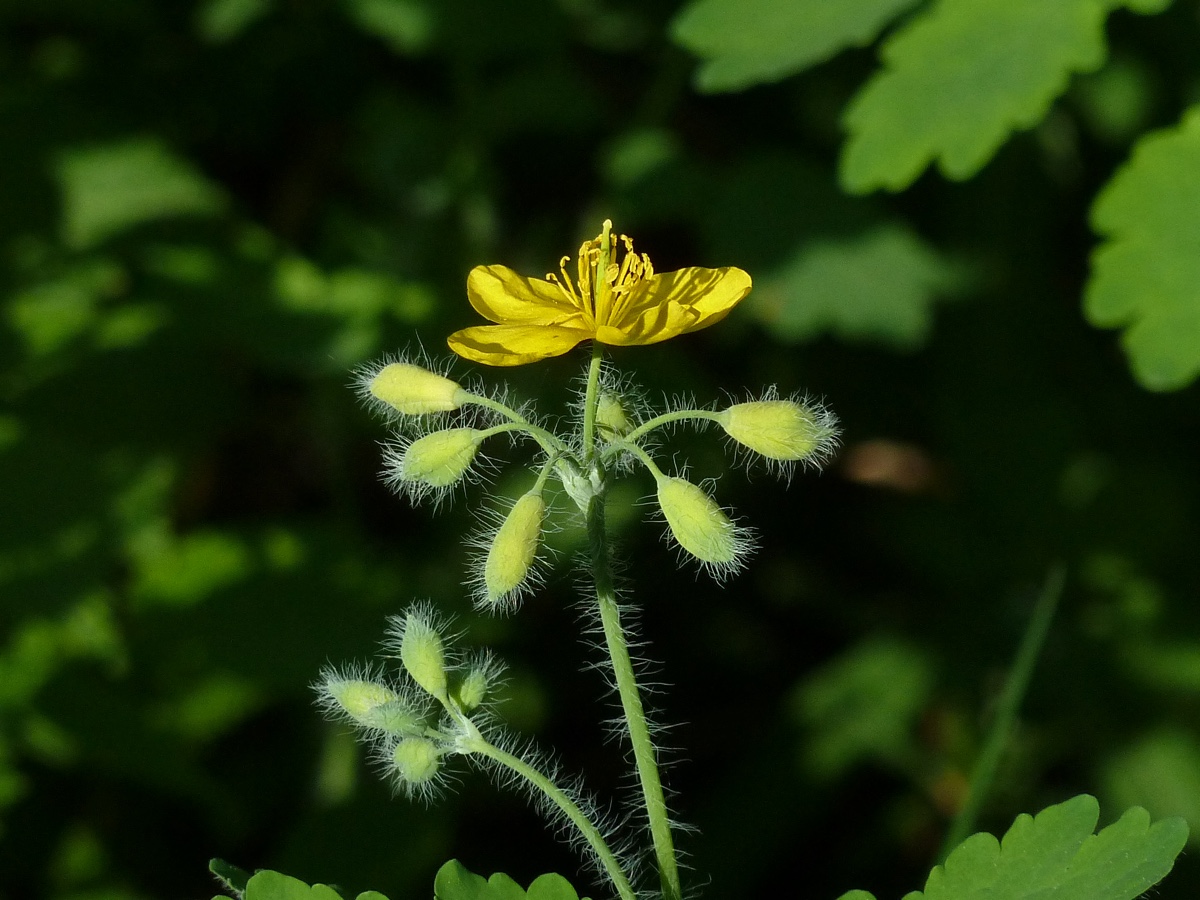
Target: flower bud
point(439, 459)
point(416, 761)
point(782, 430)
point(472, 690)
point(514, 548)
point(699, 525)
point(612, 420)
point(415, 391)
point(422, 654)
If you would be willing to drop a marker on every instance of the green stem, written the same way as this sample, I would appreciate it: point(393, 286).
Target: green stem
point(1006, 712)
point(549, 442)
point(682, 415)
point(556, 795)
point(591, 401)
point(644, 755)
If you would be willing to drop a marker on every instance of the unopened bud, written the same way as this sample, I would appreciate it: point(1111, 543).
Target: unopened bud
point(416, 761)
point(612, 420)
point(782, 430)
point(441, 458)
point(415, 391)
point(422, 654)
point(699, 525)
point(514, 547)
point(473, 689)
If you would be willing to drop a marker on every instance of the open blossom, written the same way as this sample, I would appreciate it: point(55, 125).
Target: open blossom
point(628, 303)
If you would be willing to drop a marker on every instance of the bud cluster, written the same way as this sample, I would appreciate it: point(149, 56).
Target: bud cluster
point(442, 427)
point(425, 711)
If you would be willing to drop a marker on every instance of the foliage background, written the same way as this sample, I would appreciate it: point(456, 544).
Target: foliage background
point(214, 211)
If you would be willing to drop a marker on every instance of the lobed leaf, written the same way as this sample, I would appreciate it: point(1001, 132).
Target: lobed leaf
point(1055, 854)
point(959, 78)
point(746, 42)
point(1146, 276)
point(455, 882)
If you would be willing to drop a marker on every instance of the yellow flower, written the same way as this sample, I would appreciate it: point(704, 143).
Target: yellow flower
point(626, 304)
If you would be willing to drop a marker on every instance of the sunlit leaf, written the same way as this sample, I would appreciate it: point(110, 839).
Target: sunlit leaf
point(455, 882)
point(745, 42)
point(880, 285)
point(959, 78)
point(1146, 275)
point(110, 188)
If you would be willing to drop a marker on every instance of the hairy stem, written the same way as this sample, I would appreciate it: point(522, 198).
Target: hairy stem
point(557, 796)
point(644, 754)
point(1006, 712)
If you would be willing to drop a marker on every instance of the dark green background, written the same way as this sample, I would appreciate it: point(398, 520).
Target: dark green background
point(191, 522)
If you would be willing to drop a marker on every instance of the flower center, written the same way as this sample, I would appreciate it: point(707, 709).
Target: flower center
point(602, 298)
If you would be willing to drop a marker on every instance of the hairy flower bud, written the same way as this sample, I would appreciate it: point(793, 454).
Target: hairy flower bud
point(415, 391)
point(472, 690)
point(781, 430)
point(423, 655)
point(371, 705)
point(514, 548)
point(439, 459)
point(700, 527)
point(416, 761)
point(612, 419)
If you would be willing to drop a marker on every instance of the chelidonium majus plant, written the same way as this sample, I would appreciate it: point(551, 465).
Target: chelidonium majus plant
point(428, 702)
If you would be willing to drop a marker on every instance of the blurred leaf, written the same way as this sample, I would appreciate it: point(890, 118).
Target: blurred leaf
point(268, 885)
point(1146, 275)
point(1117, 101)
point(114, 187)
point(958, 79)
point(54, 313)
point(636, 154)
point(184, 570)
point(1160, 771)
point(864, 705)
point(745, 42)
point(1055, 854)
point(223, 20)
point(404, 25)
point(879, 285)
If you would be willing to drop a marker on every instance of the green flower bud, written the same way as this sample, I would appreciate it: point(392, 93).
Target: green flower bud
point(440, 459)
point(781, 430)
point(612, 420)
point(396, 717)
point(422, 654)
point(514, 548)
point(415, 391)
point(700, 527)
point(473, 689)
point(416, 761)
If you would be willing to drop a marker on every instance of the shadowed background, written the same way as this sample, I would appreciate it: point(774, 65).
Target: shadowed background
point(214, 211)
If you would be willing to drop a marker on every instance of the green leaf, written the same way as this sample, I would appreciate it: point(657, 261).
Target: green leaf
point(1146, 276)
point(878, 285)
point(404, 25)
point(958, 79)
point(1055, 854)
point(745, 42)
point(1160, 771)
point(223, 20)
point(455, 882)
point(268, 885)
point(111, 188)
point(231, 877)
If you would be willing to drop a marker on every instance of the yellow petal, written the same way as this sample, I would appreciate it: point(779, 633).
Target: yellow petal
point(502, 296)
point(674, 303)
point(514, 345)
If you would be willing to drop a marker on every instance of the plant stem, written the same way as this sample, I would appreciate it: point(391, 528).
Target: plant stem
point(570, 808)
point(1006, 712)
point(644, 755)
point(590, 402)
